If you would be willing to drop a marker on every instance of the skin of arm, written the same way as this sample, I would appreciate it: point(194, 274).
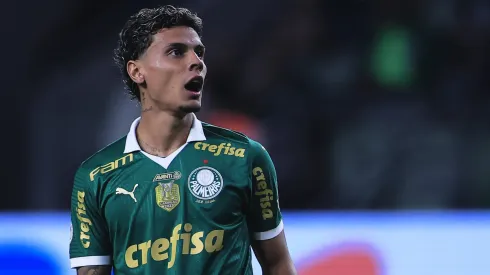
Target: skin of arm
point(95, 270)
point(273, 256)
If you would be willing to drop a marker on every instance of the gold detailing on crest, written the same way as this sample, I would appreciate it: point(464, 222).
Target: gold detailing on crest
point(167, 195)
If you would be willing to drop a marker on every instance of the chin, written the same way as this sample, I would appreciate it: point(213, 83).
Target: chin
point(190, 108)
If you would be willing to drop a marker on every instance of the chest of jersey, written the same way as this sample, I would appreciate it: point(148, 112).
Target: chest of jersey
point(200, 188)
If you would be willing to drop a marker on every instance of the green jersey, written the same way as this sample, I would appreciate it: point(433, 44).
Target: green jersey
point(193, 212)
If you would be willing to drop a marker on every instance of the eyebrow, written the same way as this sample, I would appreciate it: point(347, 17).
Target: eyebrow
point(183, 45)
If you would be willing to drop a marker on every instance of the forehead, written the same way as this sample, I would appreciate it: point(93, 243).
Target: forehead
point(184, 35)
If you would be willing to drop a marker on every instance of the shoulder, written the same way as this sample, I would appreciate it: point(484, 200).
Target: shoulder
point(105, 160)
point(219, 133)
point(240, 144)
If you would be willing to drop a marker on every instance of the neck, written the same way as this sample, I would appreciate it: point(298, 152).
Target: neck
point(162, 133)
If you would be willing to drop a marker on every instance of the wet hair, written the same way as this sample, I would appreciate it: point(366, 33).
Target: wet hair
point(137, 35)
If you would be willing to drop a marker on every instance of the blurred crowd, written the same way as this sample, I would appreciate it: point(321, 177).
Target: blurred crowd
point(361, 104)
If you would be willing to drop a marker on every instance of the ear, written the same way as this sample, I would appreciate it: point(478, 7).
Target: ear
point(135, 71)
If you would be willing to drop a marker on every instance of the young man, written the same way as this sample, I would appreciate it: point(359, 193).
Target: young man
point(175, 195)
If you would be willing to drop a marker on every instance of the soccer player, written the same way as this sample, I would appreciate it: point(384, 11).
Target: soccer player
point(175, 195)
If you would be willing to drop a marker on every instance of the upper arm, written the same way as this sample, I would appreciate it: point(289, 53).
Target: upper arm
point(264, 218)
point(89, 245)
point(94, 270)
point(273, 255)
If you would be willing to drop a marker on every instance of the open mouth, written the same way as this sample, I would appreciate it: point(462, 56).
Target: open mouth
point(195, 84)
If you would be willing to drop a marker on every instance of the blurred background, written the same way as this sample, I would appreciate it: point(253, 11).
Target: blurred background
point(376, 114)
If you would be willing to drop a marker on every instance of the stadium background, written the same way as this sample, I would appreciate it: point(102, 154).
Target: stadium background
point(376, 114)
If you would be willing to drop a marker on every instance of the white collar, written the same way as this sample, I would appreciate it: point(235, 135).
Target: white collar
point(196, 134)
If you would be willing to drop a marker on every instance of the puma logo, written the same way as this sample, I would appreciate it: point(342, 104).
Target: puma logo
point(120, 190)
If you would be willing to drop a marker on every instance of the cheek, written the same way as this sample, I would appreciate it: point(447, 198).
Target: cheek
point(160, 77)
point(165, 78)
point(166, 85)
point(176, 79)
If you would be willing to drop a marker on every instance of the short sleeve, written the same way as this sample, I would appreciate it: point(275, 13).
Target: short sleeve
point(264, 218)
point(89, 244)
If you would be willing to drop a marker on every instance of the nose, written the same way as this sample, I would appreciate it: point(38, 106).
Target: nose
point(196, 63)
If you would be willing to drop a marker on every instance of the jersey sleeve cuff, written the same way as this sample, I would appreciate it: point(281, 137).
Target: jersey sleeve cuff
point(90, 260)
point(262, 236)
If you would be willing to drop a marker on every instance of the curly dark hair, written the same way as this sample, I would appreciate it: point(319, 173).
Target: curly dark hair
point(136, 36)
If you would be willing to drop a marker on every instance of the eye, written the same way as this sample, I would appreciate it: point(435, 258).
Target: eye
point(176, 52)
point(200, 52)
